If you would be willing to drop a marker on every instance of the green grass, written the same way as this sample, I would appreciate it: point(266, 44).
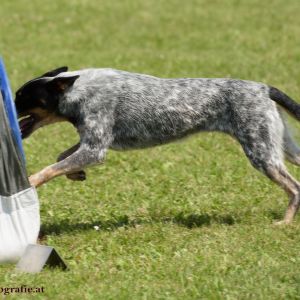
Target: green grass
point(189, 220)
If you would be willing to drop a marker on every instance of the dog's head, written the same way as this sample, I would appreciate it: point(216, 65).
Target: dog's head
point(37, 100)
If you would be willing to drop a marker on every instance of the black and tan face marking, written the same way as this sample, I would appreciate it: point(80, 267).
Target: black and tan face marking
point(37, 100)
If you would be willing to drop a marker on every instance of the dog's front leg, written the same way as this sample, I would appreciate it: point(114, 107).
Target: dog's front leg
point(76, 176)
point(78, 160)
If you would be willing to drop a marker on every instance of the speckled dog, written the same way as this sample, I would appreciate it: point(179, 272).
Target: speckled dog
point(121, 110)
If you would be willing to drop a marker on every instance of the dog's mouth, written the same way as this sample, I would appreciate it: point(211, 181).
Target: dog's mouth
point(26, 125)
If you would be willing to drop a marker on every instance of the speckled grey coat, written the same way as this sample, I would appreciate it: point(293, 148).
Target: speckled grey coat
point(121, 110)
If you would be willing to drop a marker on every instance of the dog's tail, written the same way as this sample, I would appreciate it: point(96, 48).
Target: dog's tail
point(285, 101)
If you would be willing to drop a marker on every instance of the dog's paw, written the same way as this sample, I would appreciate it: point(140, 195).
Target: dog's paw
point(78, 176)
point(282, 223)
point(36, 180)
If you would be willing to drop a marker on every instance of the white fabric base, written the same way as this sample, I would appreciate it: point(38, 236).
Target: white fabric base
point(19, 224)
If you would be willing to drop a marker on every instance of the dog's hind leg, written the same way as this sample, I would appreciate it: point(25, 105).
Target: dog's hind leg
point(76, 176)
point(291, 149)
point(262, 144)
point(281, 176)
point(277, 172)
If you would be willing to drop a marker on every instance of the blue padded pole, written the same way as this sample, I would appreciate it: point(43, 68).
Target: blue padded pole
point(10, 107)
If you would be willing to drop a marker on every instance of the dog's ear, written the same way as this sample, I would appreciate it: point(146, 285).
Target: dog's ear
point(55, 72)
point(61, 84)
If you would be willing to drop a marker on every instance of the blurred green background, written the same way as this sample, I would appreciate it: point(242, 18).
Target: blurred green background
point(189, 220)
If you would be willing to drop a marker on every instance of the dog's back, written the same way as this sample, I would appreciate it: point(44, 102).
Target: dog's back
point(146, 111)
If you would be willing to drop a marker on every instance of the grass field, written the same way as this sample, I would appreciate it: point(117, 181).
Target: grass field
point(189, 220)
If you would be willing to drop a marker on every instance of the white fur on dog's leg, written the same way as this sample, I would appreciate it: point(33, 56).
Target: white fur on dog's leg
point(33, 180)
point(282, 223)
point(36, 180)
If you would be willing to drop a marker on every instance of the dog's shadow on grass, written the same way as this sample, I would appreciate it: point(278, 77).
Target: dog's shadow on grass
point(187, 220)
point(199, 220)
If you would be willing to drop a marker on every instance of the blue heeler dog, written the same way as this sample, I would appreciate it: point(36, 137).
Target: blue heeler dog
point(121, 110)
